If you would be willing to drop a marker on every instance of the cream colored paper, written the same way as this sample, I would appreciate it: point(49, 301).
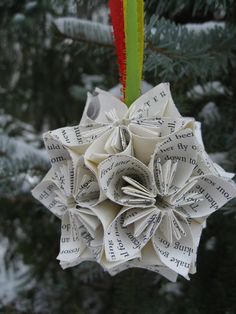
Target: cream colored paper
point(132, 187)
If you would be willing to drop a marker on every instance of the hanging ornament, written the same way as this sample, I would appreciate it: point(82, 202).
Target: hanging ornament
point(132, 183)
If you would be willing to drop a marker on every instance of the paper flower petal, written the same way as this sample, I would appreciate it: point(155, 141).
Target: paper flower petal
point(71, 244)
point(177, 255)
point(114, 141)
point(98, 106)
point(112, 265)
point(86, 189)
point(151, 261)
point(58, 154)
point(145, 139)
point(44, 192)
point(106, 212)
point(180, 147)
point(157, 102)
point(206, 166)
point(77, 138)
point(86, 255)
point(120, 242)
point(196, 230)
point(215, 192)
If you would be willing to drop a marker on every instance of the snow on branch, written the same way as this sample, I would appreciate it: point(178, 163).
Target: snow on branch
point(84, 30)
point(20, 165)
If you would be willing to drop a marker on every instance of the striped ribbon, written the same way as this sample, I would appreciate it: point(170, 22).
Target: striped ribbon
point(128, 28)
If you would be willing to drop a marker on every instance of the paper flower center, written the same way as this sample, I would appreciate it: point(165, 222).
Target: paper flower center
point(163, 204)
point(113, 118)
point(119, 139)
point(137, 193)
point(70, 202)
point(121, 122)
point(157, 209)
point(65, 202)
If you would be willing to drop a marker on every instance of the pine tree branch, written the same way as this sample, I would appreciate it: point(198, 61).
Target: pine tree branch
point(174, 51)
point(175, 7)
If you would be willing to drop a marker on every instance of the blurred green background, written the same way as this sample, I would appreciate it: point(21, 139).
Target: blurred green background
point(44, 77)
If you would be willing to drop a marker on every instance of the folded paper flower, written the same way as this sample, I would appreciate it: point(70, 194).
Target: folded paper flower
point(109, 127)
point(163, 202)
point(73, 195)
point(132, 187)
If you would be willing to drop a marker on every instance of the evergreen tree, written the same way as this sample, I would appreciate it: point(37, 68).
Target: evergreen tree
point(51, 53)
